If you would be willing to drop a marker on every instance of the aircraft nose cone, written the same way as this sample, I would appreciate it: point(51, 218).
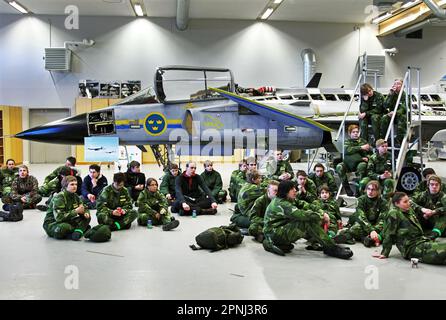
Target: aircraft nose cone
point(66, 131)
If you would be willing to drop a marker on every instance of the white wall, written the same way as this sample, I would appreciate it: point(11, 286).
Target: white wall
point(258, 53)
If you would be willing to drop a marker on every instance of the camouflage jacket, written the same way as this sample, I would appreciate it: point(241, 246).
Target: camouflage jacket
point(404, 230)
point(55, 173)
point(327, 179)
point(7, 177)
point(311, 192)
point(422, 187)
point(370, 213)
point(427, 200)
point(354, 154)
point(259, 207)
point(213, 181)
point(167, 185)
point(329, 206)
point(62, 208)
point(246, 197)
point(110, 199)
point(148, 200)
point(389, 104)
point(374, 105)
point(378, 164)
point(281, 211)
point(24, 187)
point(233, 181)
point(282, 166)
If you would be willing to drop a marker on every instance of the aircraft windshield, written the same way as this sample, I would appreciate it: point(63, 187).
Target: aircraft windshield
point(145, 96)
point(191, 84)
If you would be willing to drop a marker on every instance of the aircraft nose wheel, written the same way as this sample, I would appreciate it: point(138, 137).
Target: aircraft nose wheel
point(409, 180)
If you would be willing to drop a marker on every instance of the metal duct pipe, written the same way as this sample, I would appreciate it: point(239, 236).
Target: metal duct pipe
point(182, 14)
point(309, 61)
point(416, 27)
point(436, 10)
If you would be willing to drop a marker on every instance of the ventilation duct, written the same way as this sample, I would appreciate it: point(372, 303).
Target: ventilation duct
point(416, 27)
point(309, 63)
point(436, 10)
point(182, 14)
point(57, 59)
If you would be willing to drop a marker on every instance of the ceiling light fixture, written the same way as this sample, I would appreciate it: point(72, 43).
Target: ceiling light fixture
point(18, 6)
point(267, 13)
point(138, 10)
point(270, 7)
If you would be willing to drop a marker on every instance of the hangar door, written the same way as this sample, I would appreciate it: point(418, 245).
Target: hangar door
point(47, 152)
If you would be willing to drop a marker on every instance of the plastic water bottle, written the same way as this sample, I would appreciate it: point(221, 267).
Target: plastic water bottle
point(149, 224)
point(194, 213)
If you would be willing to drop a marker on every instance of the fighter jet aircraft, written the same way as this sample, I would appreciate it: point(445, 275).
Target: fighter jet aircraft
point(95, 149)
point(207, 122)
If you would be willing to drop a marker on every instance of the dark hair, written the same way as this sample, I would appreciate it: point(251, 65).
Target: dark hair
point(241, 163)
point(173, 166)
point(301, 173)
point(65, 171)
point(365, 89)
point(397, 196)
point(318, 165)
point(435, 178)
point(149, 181)
point(95, 167)
point(10, 160)
point(323, 187)
point(134, 164)
point(428, 171)
point(285, 187)
point(252, 175)
point(189, 162)
point(72, 160)
point(119, 177)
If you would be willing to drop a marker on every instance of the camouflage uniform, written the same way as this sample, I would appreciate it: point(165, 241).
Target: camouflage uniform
point(400, 117)
point(6, 178)
point(327, 179)
point(257, 214)
point(239, 182)
point(215, 184)
point(284, 224)
point(404, 230)
point(27, 187)
point(422, 187)
point(55, 173)
point(374, 109)
point(437, 202)
point(282, 166)
point(48, 188)
point(109, 200)
point(353, 160)
point(233, 185)
point(369, 216)
point(376, 166)
point(167, 185)
point(62, 220)
point(331, 207)
point(245, 200)
point(151, 203)
point(311, 192)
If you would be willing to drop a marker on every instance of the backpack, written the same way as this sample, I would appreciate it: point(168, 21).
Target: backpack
point(218, 238)
point(14, 214)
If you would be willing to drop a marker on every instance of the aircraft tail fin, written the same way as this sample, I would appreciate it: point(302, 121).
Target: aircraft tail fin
point(314, 82)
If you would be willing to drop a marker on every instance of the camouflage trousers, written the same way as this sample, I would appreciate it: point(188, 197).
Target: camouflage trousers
point(355, 232)
point(144, 216)
point(256, 226)
point(118, 223)
point(295, 230)
point(430, 252)
point(434, 222)
point(221, 196)
point(63, 230)
point(401, 127)
point(30, 202)
point(342, 170)
point(241, 220)
point(48, 188)
point(376, 122)
point(388, 186)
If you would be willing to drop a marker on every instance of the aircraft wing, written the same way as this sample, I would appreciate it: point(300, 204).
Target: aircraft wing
point(273, 113)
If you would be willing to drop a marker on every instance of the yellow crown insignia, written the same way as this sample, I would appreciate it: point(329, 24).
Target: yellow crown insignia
point(155, 128)
point(151, 122)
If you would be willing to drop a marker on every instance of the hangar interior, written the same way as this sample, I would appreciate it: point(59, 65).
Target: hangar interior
point(107, 42)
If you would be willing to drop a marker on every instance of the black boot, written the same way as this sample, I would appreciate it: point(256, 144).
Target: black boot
point(338, 252)
point(171, 225)
point(347, 189)
point(270, 247)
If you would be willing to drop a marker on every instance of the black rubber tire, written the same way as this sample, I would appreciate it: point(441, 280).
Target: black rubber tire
point(409, 179)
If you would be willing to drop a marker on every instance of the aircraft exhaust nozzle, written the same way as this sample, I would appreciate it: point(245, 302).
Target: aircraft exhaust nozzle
point(66, 131)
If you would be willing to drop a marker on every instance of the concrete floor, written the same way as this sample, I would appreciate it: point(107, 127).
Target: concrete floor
point(152, 264)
